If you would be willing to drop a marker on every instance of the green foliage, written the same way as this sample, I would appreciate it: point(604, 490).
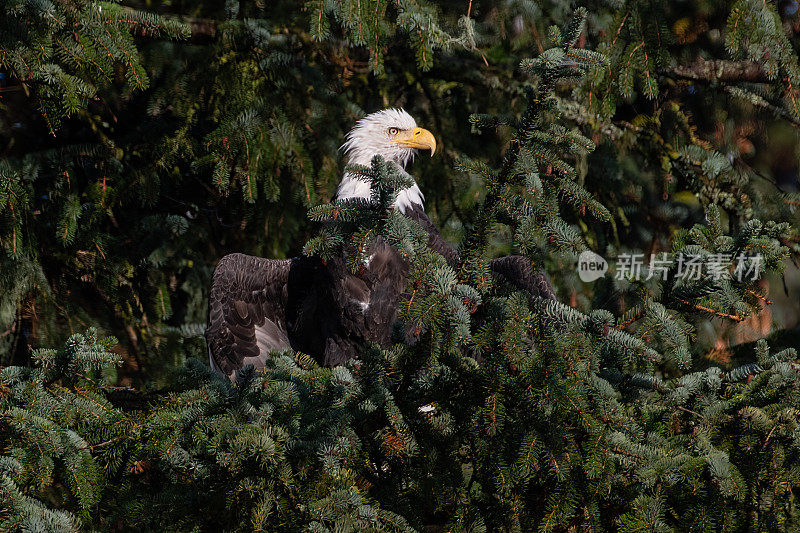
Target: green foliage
point(506, 444)
point(755, 31)
point(45, 427)
point(179, 139)
point(368, 24)
point(67, 52)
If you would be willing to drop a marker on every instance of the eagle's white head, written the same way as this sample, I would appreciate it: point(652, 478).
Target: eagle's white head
point(392, 134)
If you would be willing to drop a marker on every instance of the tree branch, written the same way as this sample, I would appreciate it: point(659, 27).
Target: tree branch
point(721, 71)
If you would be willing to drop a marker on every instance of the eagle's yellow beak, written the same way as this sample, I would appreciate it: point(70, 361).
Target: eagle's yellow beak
point(418, 138)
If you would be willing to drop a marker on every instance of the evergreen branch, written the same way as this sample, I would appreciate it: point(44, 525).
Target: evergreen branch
point(720, 71)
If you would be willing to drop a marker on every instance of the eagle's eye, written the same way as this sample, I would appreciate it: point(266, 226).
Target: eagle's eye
point(393, 131)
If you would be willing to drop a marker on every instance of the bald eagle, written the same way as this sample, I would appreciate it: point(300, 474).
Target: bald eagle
point(319, 307)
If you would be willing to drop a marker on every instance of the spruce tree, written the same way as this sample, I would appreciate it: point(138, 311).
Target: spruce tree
point(600, 411)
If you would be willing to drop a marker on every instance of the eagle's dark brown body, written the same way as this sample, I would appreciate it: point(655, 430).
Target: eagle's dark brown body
point(320, 308)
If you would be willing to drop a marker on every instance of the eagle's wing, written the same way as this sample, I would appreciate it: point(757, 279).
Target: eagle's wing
point(435, 239)
point(519, 271)
point(247, 311)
